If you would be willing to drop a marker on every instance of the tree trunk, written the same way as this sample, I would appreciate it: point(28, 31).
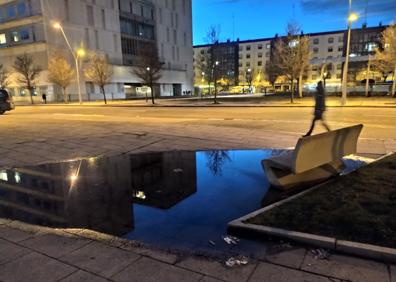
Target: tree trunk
point(394, 83)
point(64, 94)
point(215, 92)
point(104, 94)
point(152, 93)
point(300, 86)
point(292, 92)
point(31, 94)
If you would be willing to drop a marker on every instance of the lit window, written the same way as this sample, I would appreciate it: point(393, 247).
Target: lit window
point(268, 46)
point(3, 175)
point(371, 47)
point(17, 177)
point(293, 43)
point(3, 39)
point(15, 36)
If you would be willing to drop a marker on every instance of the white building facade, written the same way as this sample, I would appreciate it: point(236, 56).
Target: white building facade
point(116, 29)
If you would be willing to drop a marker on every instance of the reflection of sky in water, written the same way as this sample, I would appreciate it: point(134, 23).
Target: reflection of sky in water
point(203, 216)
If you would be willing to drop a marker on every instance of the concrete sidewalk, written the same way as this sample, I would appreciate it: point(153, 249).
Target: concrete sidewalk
point(31, 253)
point(250, 101)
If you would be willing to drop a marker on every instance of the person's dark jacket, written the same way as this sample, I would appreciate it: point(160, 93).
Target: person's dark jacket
point(320, 103)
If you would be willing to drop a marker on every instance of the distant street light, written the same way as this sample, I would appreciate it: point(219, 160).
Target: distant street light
point(351, 18)
point(79, 53)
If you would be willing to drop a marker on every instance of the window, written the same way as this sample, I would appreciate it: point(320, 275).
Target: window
point(341, 39)
point(15, 36)
point(267, 54)
point(268, 46)
point(259, 63)
point(185, 39)
point(248, 64)
point(260, 46)
point(248, 48)
point(240, 48)
point(96, 39)
point(86, 36)
point(175, 36)
point(103, 19)
point(330, 49)
point(3, 39)
point(314, 76)
point(340, 48)
point(24, 34)
point(260, 55)
point(316, 41)
point(21, 9)
point(247, 56)
point(115, 40)
point(11, 11)
point(3, 175)
point(315, 50)
point(90, 16)
point(330, 40)
point(314, 68)
point(66, 4)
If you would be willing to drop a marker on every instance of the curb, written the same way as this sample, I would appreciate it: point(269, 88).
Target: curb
point(348, 247)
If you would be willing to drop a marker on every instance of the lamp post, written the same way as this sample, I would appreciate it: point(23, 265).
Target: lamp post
point(76, 55)
point(351, 18)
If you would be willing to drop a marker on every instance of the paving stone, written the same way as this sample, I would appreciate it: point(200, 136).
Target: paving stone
point(101, 259)
point(274, 273)
point(209, 279)
point(34, 267)
point(218, 270)
point(146, 269)
point(347, 268)
point(155, 254)
point(290, 257)
point(55, 246)
point(83, 276)
point(393, 273)
point(10, 251)
point(14, 235)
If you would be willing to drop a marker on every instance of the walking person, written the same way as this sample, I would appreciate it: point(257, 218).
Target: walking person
point(320, 108)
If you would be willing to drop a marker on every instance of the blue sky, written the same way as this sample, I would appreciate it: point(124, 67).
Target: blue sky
point(250, 19)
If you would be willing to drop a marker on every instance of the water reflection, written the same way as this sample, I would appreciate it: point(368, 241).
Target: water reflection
point(216, 160)
point(96, 193)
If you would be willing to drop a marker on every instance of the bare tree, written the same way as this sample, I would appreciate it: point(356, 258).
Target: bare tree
point(4, 75)
point(149, 69)
point(27, 71)
point(99, 71)
point(60, 72)
point(385, 58)
point(291, 55)
point(272, 71)
point(210, 63)
point(249, 74)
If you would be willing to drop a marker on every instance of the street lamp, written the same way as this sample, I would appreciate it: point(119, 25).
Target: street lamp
point(79, 53)
point(351, 18)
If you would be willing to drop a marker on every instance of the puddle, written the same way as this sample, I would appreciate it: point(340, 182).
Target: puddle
point(171, 200)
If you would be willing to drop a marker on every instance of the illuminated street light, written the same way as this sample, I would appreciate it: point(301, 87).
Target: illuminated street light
point(148, 68)
point(351, 18)
point(80, 53)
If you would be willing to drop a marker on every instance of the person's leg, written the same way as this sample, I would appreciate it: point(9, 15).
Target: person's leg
point(311, 129)
point(324, 123)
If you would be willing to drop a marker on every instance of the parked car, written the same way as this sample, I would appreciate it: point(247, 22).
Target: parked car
point(6, 103)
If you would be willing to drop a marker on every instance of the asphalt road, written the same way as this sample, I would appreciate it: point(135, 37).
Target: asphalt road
point(379, 123)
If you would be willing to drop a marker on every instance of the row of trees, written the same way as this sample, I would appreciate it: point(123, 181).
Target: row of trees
point(98, 71)
point(290, 59)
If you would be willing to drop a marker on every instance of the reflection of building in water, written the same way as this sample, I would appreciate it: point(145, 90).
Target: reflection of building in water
point(96, 193)
point(79, 194)
point(162, 180)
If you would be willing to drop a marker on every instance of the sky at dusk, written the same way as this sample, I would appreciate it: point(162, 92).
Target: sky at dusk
point(252, 19)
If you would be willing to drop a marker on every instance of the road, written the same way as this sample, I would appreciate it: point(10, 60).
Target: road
point(72, 131)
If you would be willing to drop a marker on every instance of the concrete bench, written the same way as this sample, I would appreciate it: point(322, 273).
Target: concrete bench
point(314, 159)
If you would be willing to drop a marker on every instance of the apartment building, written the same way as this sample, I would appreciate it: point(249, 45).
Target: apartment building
point(116, 29)
point(327, 54)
